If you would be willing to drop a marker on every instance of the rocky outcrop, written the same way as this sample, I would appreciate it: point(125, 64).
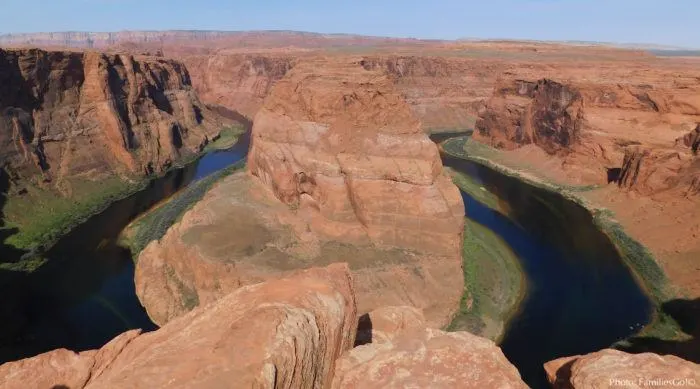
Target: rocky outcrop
point(691, 140)
point(281, 334)
point(340, 144)
point(66, 115)
point(614, 369)
point(237, 81)
point(546, 113)
point(404, 353)
point(383, 324)
point(648, 171)
point(445, 93)
point(340, 172)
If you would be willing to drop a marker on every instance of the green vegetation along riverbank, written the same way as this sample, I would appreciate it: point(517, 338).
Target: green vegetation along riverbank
point(35, 220)
point(638, 258)
point(494, 283)
point(154, 224)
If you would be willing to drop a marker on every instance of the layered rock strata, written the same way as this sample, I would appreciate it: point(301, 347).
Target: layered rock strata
point(68, 115)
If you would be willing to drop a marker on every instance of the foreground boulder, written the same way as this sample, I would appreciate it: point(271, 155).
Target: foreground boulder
point(615, 369)
point(281, 334)
point(405, 354)
point(339, 171)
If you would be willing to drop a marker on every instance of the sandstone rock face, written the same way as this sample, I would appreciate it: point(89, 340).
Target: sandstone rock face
point(546, 113)
point(282, 334)
point(383, 324)
point(340, 172)
point(237, 81)
point(66, 115)
point(647, 171)
point(614, 369)
point(339, 143)
point(691, 140)
point(408, 355)
point(444, 93)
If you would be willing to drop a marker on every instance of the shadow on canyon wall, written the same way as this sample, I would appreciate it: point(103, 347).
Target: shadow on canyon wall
point(364, 330)
point(233, 115)
point(687, 314)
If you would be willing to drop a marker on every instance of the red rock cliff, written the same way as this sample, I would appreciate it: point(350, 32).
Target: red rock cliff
point(237, 81)
point(69, 114)
point(338, 142)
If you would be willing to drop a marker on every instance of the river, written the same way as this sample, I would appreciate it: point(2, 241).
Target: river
point(85, 295)
point(580, 297)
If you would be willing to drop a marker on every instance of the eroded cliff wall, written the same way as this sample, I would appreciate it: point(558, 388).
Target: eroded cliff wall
point(636, 135)
point(90, 115)
point(338, 142)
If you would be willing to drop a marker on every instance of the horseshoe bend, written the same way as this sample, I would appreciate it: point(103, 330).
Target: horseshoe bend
point(293, 210)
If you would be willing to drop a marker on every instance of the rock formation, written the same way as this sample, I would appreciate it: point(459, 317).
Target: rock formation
point(614, 369)
point(546, 113)
point(691, 140)
point(238, 81)
point(646, 170)
point(282, 334)
point(66, 115)
point(339, 143)
point(404, 353)
point(444, 93)
point(340, 171)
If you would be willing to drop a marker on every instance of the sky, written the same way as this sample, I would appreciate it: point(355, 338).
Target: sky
point(669, 22)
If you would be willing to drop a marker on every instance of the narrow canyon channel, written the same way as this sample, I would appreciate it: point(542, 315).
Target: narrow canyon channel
point(580, 296)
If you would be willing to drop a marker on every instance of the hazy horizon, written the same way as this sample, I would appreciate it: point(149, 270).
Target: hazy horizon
point(621, 22)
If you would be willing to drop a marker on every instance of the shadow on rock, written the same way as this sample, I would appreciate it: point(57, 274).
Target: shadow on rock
point(364, 330)
point(687, 314)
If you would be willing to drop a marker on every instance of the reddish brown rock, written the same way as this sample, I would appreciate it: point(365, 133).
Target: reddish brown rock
point(408, 355)
point(648, 171)
point(614, 369)
point(337, 141)
point(340, 172)
point(546, 113)
point(69, 115)
point(239, 234)
point(282, 334)
point(691, 140)
point(237, 81)
point(383, 324)
point(445, 93)
point(46, 371)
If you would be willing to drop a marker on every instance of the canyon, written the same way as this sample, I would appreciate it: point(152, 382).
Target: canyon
point(624, 105)
point(341, 173)
point(72, 114)
point(74, 122)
